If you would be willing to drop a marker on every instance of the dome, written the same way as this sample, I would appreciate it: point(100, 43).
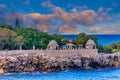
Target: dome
point(90, 41)
point(53, 43)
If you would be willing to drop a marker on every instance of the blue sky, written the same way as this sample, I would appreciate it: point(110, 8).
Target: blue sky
point(65, 17)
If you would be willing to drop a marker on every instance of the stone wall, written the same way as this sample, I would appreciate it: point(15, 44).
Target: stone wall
point(52, 53)
point(82, 52)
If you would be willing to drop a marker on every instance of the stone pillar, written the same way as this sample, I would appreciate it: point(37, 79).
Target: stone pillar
point(33, 47)
point(20, 47)
point(41, 49)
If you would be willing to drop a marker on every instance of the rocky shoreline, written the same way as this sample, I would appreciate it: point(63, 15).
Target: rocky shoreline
point(35, 62)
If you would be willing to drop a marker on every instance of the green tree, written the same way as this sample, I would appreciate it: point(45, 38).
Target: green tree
point(19, 41)
point(7, 39)
point(83, 38)
point(100, 48)
point(34, 37)
point(107, 49)
point(6, 26)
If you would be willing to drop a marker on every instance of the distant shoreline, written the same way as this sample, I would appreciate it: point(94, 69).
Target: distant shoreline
point(89, 34)
point(104, 40)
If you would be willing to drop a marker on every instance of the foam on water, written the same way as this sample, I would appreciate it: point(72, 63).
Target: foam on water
point(109, 74)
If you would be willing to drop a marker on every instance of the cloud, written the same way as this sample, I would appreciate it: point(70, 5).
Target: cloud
point(89, 16)
point(83, 7)
point(74, 10)
point(2, 6)
point(94, 29)
point(100, 9)
point(43, 27)
point(67, 28)
point(108, 9)
point(59, 20)
point(111, 28)
point(102, 14)
point(42, 22)
point(79, 8)
point(45, 23)
point(48, 4)
point(27, 2)
point(110, 32)
point(38, 16)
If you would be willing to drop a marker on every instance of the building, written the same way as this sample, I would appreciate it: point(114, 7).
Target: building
point(70, 46)
point(90, 44)
point(53, 45)
point(71, 49)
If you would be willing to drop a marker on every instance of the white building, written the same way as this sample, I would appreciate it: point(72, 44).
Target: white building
point(53, 45)
point(90, 44)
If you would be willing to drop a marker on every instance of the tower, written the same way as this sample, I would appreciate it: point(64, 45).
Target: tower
point(17, 24)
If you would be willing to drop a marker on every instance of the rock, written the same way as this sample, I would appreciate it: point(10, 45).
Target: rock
point(42, 63)
point(1, 71)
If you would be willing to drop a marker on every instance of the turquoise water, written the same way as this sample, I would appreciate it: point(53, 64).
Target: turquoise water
point(109, 74)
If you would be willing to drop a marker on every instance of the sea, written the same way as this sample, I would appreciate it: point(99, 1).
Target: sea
point(102, 39)
point(106, 74)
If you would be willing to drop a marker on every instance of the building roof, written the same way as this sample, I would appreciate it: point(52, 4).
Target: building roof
point(90, 41)
point(53, 43)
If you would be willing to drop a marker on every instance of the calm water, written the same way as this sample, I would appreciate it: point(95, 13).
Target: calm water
point(102, 39)
point(111, 74)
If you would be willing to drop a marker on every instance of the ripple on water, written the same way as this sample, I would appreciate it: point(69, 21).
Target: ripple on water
point(108, 74)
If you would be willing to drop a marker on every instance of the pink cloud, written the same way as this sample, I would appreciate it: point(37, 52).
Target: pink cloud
point(95, 29)
point(66, 28)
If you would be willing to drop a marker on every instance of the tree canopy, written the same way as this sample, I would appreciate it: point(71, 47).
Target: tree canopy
point(7, 39)
point(83, 38)
point(25, 37)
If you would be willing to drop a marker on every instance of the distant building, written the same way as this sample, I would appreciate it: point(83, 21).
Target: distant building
point(90, 44)
point(53, 45)
point(71, 49)
point(70, 46)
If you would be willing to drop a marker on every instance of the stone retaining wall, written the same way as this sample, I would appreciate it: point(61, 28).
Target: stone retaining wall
point(55, 60)
point(52, 53)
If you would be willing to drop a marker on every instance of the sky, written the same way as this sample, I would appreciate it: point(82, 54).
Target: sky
point(63, 16)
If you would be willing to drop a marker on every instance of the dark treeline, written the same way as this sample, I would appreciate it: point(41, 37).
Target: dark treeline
point(12, 38)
